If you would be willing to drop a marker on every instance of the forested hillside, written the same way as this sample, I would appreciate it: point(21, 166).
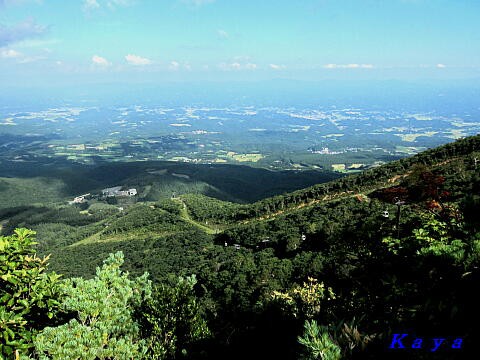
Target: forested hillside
point(38, 180)
point(337, 269)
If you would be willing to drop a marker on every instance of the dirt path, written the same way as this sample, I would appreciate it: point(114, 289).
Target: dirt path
point(186, 216)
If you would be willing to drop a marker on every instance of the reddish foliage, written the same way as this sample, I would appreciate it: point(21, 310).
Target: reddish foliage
point(433, 205)
point(394, 193)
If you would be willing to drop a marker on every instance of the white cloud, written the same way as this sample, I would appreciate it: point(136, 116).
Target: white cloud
point(174, 65)
point(222, 34)
point(236, 66)
point(441, 66)
point(19, 57)
point(277, 67)
point(348, 66)
point(9, 54)
point(137, 60)
point(98, 60)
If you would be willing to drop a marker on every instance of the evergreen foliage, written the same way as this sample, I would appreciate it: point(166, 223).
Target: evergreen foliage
point(29, 296)
point(103, 326)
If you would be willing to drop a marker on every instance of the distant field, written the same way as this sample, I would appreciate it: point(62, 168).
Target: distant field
point(338, 167)
point(413, 137)
point(456, 134)
point(410, 150)
point(245, 157)
point(355, 166)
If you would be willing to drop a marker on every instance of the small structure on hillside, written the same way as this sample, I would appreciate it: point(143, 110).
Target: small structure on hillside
point(113, 191)
point(79, 199)
point(117, 191)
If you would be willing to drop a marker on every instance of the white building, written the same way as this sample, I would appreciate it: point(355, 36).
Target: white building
point(116, 191)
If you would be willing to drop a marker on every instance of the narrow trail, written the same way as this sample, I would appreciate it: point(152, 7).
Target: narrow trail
point(324, 199)
point(186, 216)
point(327, 198)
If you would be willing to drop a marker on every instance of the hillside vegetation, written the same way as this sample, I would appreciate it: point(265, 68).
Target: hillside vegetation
point(338, 267)
point(36, 180)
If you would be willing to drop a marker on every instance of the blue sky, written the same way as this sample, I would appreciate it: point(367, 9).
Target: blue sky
point(66, 41)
